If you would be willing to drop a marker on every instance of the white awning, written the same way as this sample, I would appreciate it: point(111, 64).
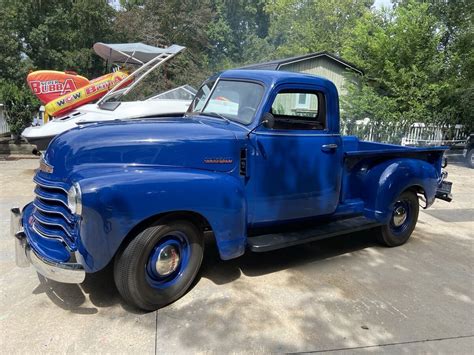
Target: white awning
point(133, 53)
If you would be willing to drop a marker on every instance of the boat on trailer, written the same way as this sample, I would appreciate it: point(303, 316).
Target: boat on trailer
point(114, 105)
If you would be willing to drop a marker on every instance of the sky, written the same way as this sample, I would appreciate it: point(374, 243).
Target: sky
point(379, 3)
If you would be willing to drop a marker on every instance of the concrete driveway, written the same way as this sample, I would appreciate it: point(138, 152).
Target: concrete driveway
point(342, 294)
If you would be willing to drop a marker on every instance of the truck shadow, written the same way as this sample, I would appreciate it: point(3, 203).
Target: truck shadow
point(257, 264)
point(98, 290)
point(99, 287)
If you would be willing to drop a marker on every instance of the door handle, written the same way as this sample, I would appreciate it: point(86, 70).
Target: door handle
point(329, 147)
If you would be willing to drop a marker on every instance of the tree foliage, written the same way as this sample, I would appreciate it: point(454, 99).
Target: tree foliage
point(238, 32)
point(410, 57)
point(20, 106)
point(183, 22)
point(299, 27)
point(418, 57)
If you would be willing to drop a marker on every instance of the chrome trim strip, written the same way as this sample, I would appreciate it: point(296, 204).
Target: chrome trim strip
point(47, 236)
point(52, 237)
point(54, 212)
point(51, 199)
point(39, 220)
point(42, 184)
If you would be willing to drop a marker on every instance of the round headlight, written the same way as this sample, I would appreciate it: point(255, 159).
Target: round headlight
point(74, 201)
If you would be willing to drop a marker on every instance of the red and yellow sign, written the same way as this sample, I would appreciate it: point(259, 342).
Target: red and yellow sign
point(47, 85)
point(64, 91)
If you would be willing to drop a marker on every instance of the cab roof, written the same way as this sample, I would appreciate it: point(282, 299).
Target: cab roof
point(273, 77)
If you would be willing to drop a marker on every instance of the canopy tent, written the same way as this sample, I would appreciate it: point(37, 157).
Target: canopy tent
point(133, 53)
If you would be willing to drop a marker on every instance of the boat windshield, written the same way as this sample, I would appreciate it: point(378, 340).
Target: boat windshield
point(185, 93)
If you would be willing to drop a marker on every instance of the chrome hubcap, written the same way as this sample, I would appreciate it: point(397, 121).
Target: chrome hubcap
point(168, 260)
point(399, 216)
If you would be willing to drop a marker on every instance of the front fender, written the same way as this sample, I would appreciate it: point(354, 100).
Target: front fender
point(115, 203)
point(382, 183)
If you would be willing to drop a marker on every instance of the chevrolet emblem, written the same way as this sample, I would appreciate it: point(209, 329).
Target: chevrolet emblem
point(45, 167)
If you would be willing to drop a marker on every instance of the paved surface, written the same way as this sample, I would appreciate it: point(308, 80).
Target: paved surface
point(341, 295)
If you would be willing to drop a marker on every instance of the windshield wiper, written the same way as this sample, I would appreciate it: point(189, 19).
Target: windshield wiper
point(215, 114)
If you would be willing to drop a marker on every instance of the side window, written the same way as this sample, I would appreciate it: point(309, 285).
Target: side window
point(294, 109)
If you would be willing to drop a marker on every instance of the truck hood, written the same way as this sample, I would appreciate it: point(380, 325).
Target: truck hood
point(190, 143)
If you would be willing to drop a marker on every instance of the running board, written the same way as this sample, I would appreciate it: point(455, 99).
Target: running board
point(267, 242)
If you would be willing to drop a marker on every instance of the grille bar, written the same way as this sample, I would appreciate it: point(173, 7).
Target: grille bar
point(52, 217)
point(43, 194)
point(43, 206)
point(58, 234)
point(54, 222)
point(49, 184)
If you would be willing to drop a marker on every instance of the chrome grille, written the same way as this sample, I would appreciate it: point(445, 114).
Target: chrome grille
point(52, 217)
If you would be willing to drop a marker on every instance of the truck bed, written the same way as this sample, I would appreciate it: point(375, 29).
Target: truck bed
point(356, 151)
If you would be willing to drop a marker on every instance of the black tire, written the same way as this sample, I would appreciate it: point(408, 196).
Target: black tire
point(469, 158)
point(392, 235)
point(131, 265)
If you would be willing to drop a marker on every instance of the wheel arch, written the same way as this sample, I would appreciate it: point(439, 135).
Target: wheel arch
point(393, 178)
point(116, 208)
point(195, 218)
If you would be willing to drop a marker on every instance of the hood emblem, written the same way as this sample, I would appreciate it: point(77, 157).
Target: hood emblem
point(218, 160)
point(46, 167)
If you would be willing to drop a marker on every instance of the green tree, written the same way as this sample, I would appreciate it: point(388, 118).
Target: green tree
point(183, 22)
point(457, 44)
point(12, 63)
point(399, 51)
point(59, 35)
point(301, 26)
point(47, 35)
point(238, 33)
point(20, 106)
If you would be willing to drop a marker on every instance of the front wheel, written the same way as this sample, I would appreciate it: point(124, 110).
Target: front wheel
point(402, 222)
point(159, 264)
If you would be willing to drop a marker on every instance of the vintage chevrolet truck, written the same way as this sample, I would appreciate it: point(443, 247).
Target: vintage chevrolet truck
point(257, 162)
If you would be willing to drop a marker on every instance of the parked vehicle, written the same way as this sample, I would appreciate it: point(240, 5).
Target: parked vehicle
point(173, 102)
point(258, 161)
point(113, 106)
point(468, 151)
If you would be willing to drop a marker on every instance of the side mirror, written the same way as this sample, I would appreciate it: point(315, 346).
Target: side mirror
point(268, 120)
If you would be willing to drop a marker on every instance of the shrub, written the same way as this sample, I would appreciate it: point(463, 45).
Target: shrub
point(20, 106)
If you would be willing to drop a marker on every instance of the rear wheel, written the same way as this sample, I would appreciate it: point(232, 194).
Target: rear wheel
point(159, 264)
point(402, 222)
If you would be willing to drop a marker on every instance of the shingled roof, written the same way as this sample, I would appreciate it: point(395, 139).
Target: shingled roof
point(277, 64)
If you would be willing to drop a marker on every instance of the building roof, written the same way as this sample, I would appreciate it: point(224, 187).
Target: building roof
point(277, 64)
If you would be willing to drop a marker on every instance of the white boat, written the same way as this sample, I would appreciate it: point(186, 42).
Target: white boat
point(113, 106)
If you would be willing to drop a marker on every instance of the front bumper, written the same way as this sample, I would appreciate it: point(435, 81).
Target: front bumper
point(25, 255)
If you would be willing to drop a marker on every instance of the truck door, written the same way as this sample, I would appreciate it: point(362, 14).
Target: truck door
point(296, 166)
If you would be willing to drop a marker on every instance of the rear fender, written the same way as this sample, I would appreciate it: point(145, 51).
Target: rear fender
point(115, 203)
point(382, 183)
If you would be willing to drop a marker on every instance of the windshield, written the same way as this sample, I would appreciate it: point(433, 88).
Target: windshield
point(235, 100)
point(201, 96)
point(184, 92)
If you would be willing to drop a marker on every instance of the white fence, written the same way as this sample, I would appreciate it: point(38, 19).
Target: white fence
point(421, 134)
point(417, 134)
point(4, 129)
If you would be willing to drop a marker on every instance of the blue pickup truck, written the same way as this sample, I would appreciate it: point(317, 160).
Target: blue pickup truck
point(257, 161)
